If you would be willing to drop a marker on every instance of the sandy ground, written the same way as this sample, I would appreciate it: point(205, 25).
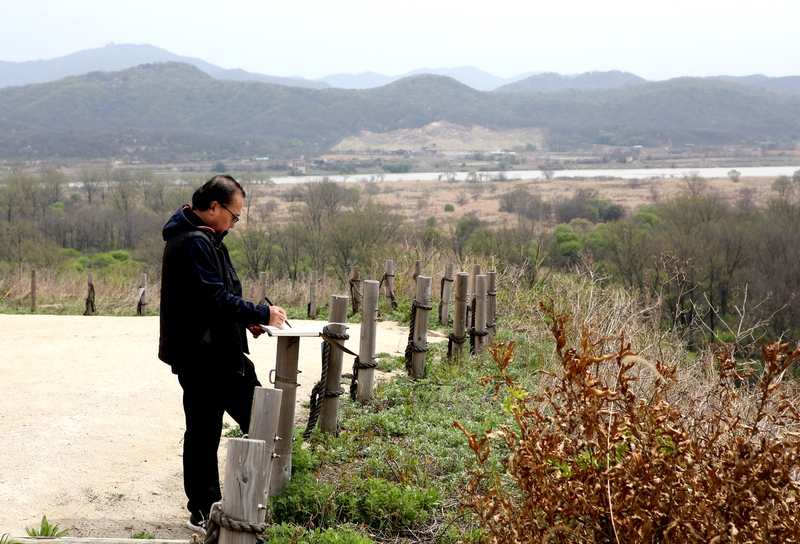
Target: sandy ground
point(92, 423)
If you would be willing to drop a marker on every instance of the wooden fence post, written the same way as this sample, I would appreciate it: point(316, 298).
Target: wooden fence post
point(366, 351)
point(479, 334)
point(389, 277)
point(141, 307)
point(262, 282)
point(329, 415)
point(420, 330)
point(33, 290)
point(312, 303)
point(90, 305)
point(355, 291)
point(444, 302)
point(264, 418)
point(286, 355)
point(460, 316)
point(417, 270)
point(242, 488)
point(491, 304)
point(476, 269)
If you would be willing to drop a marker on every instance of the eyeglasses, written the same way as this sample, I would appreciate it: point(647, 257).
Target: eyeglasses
point(235, 217)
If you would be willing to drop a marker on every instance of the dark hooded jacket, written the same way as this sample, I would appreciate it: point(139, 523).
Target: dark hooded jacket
point(203, 315)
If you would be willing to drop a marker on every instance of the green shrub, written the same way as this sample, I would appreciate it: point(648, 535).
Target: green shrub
point(449, 208)
point(46, 529)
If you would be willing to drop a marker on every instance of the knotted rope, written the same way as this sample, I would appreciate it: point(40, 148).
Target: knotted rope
point(441, 290)
point(217, 519)
point(390, 294)
point(410, 347)
point(453, 339)
point(358, 365)
point(319, 392)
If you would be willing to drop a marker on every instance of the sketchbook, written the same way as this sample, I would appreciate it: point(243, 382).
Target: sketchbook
point(306, 331)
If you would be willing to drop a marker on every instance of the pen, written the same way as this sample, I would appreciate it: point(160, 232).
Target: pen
point(271, 304)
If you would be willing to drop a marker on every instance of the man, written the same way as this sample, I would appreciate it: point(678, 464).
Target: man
point(203, 321)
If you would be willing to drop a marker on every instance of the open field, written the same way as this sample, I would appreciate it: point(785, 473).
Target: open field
point(93, 425)
point(419, 200)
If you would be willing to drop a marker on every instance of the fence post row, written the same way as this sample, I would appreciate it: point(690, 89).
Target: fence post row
point(312, 302)
point(459, 335)
point(364, 368)
point(141, 308)
point(243, 489)
point(33, 290)
point(355, 291)
point(491, 304)
point(444, 303)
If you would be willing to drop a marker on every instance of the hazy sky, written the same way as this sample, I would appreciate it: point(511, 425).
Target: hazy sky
point(313, 38)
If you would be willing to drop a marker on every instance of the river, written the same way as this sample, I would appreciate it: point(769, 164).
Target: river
point(621, 173)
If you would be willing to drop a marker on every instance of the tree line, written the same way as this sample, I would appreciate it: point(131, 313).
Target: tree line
point(706, 258)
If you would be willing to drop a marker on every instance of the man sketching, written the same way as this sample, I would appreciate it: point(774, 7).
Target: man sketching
point(203, 321)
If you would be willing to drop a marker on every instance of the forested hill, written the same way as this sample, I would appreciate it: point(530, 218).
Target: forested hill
point(176, 109)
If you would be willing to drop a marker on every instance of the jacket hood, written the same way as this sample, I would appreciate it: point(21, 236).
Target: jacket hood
point(186, 220)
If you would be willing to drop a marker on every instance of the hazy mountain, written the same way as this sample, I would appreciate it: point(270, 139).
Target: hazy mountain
point(589, 81)
point(468, 75)
point(166, 111)
point(787, 84)
point(364, 80)
point(119, 57)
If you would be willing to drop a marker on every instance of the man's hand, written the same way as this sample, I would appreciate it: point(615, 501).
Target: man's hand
point(256, 330)
point(277, 317)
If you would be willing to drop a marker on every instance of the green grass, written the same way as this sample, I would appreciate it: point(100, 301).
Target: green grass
point(396, 469)
point(144, 535)
point(5, 538)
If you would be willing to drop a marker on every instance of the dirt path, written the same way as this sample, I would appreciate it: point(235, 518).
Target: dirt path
point(91, 422)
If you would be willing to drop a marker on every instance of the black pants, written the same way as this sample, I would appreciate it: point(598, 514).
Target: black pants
point(209, 392)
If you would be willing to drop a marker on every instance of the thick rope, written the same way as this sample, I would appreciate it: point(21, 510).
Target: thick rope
point(318, 393)
point(453, 339)
point(410, 347)
point(217, 519)
point(358, 365)
point(441, 290)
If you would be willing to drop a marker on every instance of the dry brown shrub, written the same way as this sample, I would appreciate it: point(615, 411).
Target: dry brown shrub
point(619, 447)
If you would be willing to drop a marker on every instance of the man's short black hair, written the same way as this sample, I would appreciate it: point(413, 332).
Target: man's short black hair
point(220, 188)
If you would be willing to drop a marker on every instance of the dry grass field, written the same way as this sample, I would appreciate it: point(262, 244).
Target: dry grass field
point(419, 200)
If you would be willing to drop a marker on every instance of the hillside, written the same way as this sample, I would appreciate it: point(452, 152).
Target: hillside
point(115, 57)
point(176, 109)
point(589, 81)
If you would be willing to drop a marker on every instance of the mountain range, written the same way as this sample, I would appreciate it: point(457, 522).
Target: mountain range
point(115, 57)
point(170, 110)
